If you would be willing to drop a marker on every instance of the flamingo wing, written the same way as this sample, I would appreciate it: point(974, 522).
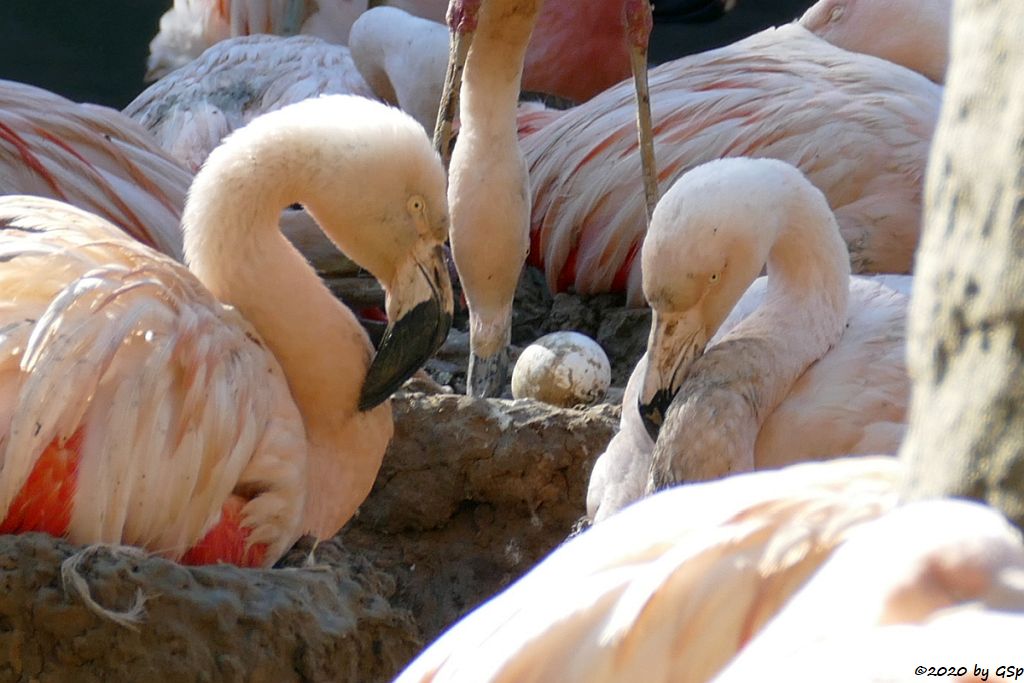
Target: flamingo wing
point(94, 158)
point(157, 403)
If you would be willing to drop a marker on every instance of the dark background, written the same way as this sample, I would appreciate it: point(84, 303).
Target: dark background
point(95, 50)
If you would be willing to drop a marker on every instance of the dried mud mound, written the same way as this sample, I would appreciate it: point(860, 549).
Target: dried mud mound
point(197, 624)
point(472, 493)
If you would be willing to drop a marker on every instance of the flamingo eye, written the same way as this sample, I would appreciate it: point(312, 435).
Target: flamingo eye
point(836, 14)
point(416, 204)
point(714, 277)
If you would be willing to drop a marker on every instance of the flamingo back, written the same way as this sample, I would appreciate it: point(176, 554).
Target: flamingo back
point(162, 402)
point(94, 158)
point(191, 110)
point(859, 129)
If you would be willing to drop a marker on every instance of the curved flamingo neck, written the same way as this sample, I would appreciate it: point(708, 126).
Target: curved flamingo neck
point(234, 246)
point(805, 307)
point(740, 380)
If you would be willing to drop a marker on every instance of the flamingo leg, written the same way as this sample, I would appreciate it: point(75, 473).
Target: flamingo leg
point(462, 18)
point(639, 21)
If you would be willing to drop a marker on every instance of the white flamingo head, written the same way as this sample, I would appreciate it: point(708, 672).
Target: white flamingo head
point(710, 237)
point(368, 175)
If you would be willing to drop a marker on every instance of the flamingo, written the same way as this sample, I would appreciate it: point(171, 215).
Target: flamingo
point(192, 109)
point(807, 363)
point(488, 187)
point(913, 33)
point(191, 26)
point(858, 127)
point(489, 190)
point(216, 413)
point(671, 587)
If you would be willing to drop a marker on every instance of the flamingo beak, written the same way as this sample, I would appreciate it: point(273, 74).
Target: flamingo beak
point(420, 307)
point(677, 339)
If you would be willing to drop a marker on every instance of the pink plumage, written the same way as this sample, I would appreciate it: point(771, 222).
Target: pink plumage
point(858, 127)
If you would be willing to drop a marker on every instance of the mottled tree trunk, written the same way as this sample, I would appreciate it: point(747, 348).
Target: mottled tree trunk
point(966, 351)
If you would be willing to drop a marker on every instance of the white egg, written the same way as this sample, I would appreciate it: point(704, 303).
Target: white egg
point(563, 369)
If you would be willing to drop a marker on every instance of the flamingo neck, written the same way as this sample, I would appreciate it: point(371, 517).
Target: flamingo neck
point(805, 307)
point(494, 69)
point(489, 189)
point(235, 247)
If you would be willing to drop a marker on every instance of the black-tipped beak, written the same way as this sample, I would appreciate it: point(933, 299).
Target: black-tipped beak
point(407, 344)
point(486, 376)
point(422, 309)
point(653, 413)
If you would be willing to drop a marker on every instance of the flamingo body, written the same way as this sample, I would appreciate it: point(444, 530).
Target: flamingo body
point(858, 127)
point(950, 587)
point(116, 372)
point(101, 161)
point(753, 576)
point(192, 109)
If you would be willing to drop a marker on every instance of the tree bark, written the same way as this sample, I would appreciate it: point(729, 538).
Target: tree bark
point(966, 336)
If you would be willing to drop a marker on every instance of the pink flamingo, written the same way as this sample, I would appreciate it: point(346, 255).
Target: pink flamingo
point(488, 186)
point(806, 363)
point(858, 127)
point(577, 48)
point(191, 26)
point(759, 564)
point(914, 33)
point(216, 413)
point(403, 58)
point(670, 588)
